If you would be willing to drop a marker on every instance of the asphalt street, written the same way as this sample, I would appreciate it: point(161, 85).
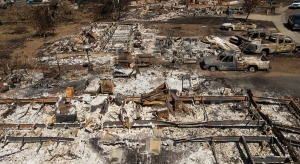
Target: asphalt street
point(287, 86)
point(269, 86)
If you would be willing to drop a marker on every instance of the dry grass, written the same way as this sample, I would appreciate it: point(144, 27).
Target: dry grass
point(19, 41)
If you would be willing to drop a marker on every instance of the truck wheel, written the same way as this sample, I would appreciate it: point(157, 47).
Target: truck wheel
point(230, 29)
point(212, 69)
point(297, 50)
point(264, 53)
point(252, 69)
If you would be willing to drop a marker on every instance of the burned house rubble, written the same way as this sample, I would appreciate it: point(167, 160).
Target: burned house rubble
point(127, 45)
point(172, 10)
point(132, 97)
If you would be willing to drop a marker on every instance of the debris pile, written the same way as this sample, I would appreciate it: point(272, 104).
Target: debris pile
point(170, 10)
point(141, 103)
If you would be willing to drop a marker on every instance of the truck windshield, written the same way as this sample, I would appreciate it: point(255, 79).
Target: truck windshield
point(228, 59)
point(221, 56)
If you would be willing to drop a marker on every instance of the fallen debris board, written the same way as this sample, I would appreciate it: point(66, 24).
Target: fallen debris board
point(37, 139)
point(155, 146)
point(66, 118)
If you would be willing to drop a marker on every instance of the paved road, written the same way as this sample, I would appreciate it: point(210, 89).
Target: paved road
point(279, 19)
point(261, 83)
point(280, 22)
point(269, 86)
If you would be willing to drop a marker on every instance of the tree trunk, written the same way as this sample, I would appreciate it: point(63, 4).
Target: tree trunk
point(247, 16)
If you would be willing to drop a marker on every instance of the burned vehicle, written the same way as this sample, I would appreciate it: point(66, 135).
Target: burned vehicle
point(229, 60)
point(249, 36)
point(272, 44)
point(238, 26)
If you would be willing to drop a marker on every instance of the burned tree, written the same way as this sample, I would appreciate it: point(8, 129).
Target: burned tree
point(119, 6)
point(109, 8)
point(103, 10)
point(41, 20)
point(249, 6)
point(61, 11)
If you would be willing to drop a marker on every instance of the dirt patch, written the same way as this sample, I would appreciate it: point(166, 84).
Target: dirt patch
point(18, 42)
point(285, 65)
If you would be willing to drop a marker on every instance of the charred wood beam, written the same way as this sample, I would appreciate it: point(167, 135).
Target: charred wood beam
point(137, 123)
point(33, 126)
point(225, 139)
point(178, 104)
point(225, 123)
point(170, 107)
point(134, 99)
point(254, 114)
point(268, 100)
point(27, 110)
point(153, 97)
point(287, 128)
point(153, 102)
point(286, 143)
point(271, 160)
point(42, 107)
point(37, 100)
point(212, 145)
point(204, 111)
point(296, 108)
point(209, 124)
point(275, 130)
point(243, 140)
point(294, 112)
point(293, 142)
point(49, 100)
point(216, 99)
point(37, 139)
point(274, 139)
point(204, 99)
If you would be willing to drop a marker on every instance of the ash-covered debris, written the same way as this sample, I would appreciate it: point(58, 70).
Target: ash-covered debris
point(172, 10)
point(143, 102)
point(128, 45)
point(96, 34)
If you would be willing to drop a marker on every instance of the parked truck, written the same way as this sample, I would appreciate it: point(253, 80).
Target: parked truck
point(271, 44)
point(249, 36)
point(229, 60)
point(238, 26)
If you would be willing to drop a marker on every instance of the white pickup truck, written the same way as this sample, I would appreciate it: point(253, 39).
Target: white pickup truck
point(238, 26)
point(229, 60)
